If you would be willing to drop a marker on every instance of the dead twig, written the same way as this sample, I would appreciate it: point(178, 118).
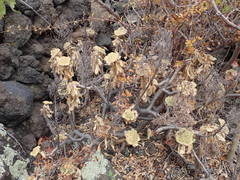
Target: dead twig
point(233, 95)
point(166, 128)
point(235, 144)
point(144, 91)
point(15, 139)
point(215, 132)
point(181, 6)
point(203, 167)
point(173, 127)
point(50, 126)
point(100, 92)
point(234, 56)
point(74, 136)
point(116, 16)
point(27, 5)
point(224, 18)
point(161, 92)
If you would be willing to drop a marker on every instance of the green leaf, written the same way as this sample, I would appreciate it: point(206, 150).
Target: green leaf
point(226, 9)
point(3, 3)
point(2, 9)
point(11, 3)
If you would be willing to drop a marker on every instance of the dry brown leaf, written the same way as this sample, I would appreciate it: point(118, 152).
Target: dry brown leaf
point(46, 110)
point(97, 56)
point(73, 95)
point(63, 61)
point(101, 127)
point(107, 76)
point(149, 133)
point(151, 88)
point(90, 32)
point(231, 74)
point(35, 151)
point(61, 65)
point(100, 50)
point(47, 102)
point(62, 136)
point(120, 31)
point(68, 168)
point(187, 88)
point(56, 52)
point(209, 128)
point(66, 45)
point(213, 127)
point(112, 57)
point(127, 93)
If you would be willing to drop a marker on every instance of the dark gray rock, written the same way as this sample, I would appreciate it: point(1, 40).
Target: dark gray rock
point(1, 25)
point(74, 10)
point(40, 92)
point(17, 29)
point(28, 60)
point(63, 29)
point(12, 165)
point(24, 8)
point(29, 142)
point(45, 65)
point(36, 123)
point(16, 102)
point(79, 7)
point(29, 75)
point(98, 12)
point(48, 11)
point(103, 39)
point(120, 6)
point(8, 60)
point(6, 71)
point(34, 48)
point(58, 2)
point(35, 64)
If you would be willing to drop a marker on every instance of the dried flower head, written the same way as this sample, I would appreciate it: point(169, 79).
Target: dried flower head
point(187, 88)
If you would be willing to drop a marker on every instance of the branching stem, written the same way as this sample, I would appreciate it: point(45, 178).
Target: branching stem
point(224, 18)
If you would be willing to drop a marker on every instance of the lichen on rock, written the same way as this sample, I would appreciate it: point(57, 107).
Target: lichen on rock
point(12, 164)
point(97, 168)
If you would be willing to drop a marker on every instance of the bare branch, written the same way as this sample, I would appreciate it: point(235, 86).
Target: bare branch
point(74, 136)
point(161, 92)
point(165, 128)
point(181, 6)
point(233, 95)
point(27, 5)
point(235, 143)
point(116, 16)
point(15, 139)
point(107, 104)
point(203, 167)
point(173, 127)
point(234, 56)
point(224, 18)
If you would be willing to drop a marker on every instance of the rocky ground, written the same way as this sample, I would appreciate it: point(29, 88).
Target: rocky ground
point(25, 75)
